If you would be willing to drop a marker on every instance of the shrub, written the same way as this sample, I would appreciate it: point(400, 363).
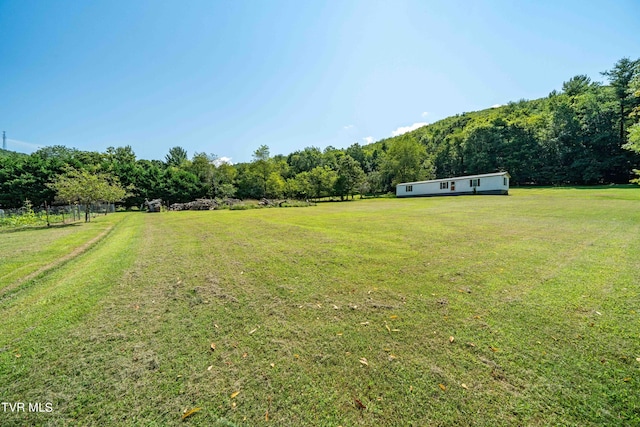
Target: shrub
point(243, 207)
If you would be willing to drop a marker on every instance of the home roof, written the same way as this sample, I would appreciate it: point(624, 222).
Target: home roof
point(459, 177)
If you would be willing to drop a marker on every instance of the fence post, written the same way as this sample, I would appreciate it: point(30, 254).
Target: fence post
point(46, 208)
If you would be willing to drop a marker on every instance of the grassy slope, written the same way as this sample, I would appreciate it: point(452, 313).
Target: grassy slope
point(539, 291)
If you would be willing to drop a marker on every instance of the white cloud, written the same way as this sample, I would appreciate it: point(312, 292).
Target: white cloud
point(425, 114)
point(496, 105)
point(368, 139)
point(347, 127)
point(221, 160)
point(405, 129)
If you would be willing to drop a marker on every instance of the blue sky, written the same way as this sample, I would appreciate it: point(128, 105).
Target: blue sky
point(224, 77)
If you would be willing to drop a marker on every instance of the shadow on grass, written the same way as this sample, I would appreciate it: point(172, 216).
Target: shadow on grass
point(38, 227)
point(609, 187)
point(349, 199)
point(582, 187)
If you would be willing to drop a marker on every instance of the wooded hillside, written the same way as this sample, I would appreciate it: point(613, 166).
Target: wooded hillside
point(588, 133)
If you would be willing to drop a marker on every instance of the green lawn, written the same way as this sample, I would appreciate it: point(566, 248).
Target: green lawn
point(485, 310)
point(26, 252)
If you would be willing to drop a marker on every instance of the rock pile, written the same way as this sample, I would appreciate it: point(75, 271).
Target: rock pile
point(154, 205)
point(196, 205)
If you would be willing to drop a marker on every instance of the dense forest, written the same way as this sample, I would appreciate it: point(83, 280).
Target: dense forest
point(588, 133)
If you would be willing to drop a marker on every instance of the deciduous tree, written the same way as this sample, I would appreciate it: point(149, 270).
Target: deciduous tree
point(350, 175)
point(404, 160)
point(84, 187)
point(262, 167)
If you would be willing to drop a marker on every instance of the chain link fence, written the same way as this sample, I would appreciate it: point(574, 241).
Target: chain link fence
point(50, 215)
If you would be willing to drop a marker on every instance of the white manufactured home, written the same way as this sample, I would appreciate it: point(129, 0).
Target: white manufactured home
point(489, 183)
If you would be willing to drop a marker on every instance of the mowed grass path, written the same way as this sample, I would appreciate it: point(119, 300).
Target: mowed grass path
point(28, 251)
point(519, 310)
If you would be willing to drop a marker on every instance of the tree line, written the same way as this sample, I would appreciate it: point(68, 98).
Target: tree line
point(587, 133)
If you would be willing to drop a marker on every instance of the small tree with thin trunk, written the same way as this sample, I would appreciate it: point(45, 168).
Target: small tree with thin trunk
point(262, 166)
point(86, 188)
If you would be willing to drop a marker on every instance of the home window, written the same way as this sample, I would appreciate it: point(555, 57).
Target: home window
point(474, 182)
point(444, 185)
point(408, 188)
point(505, 181)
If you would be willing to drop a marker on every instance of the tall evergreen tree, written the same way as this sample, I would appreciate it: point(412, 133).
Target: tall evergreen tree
point(620, 77)
point(177, 157)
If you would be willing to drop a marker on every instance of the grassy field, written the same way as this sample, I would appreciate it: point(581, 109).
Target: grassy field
point(486, 311)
